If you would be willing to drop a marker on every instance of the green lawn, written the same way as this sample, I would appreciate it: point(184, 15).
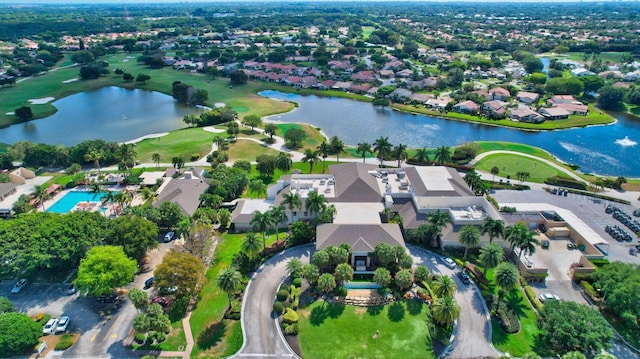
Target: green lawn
point(248, 150)
point(510, 164)
point(183, 143)
point(366, 31)
point(340, 331)
point(486, 146)
point(524, 341)
point(313, 139)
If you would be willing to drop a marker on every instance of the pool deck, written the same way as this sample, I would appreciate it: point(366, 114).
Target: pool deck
point(111, 210)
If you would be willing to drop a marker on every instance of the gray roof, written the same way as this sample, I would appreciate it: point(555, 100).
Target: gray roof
point(458, 186)
point(6, 188)
point(411, 219)
point(361, 237)
point(184, 191)
point(354, 183)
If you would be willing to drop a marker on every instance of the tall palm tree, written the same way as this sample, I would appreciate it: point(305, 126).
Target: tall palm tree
point(251, 244)
point(261, 221)
point(382, 148)
point(323, 150)
point(493, 227)
point(469, 236)
point(442, 155)
point(337, 147)
point(277, 217)
point(95, 188)
point(156, 158)
point(311, 273)
point(326, 283)
point(229, 280)
point(41, 195)
point(506, 277)
point(292, 202)
point(311, 157)
point(494, 171)
point(422, 155)
point(527, 244)
point(445, 310)
point(95, 156)
point(127, 154)
point(519, 236)
point(283, 162)
point(147, 195)
point(437, 221)
point(294, 267)
point(363, 149)
point(491, 254)
point(399, 153)
point(315, 202)
point(443, 286)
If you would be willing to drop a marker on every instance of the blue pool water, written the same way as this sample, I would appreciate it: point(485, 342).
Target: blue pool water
point(71, 199)
point(361, 285)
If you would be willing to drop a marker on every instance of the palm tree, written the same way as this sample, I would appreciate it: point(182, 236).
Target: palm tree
point(292, 202)
point(283, 162)
point(277, 217)
point(156, 158)
point(95, 188)
point(315, 202)
point(257, 187)
point(443, 155)
point(469, 236)
point(343, 273)
point(527, 244)
point(337, 147)
point(382, 277)
point(311, 273)
point(493, 227)
point(494, 171)
point(382, 148)
point(229, 280)
point(363, 149)
point(491, 255)
point(294, 267)
point(178, 162)
point(311, 157)
point(326, 283)
point(127, 155)
point(522, 238)
point(506, 277)
point(443, 286)
point(41, 195)
point(251, 244)
point(95, 156)
point(323, 150)
point(437, 221)
point(422, 155)
point(445, 310)
point(399, 152)
point(261, 222)
point(147, 195)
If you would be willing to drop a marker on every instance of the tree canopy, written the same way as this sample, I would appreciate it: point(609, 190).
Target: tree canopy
point(181, 270)
point(19, 333)
point(135, 234)
point(104, 269)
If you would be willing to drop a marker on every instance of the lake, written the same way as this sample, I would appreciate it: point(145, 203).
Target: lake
point(110, 113)
point(605, 150)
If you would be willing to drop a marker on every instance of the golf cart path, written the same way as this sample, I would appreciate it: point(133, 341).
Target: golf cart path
point(262, 337)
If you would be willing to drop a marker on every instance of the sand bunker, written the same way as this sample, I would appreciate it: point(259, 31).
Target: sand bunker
point(70, 80)
point(213, 129)
point(41, 101)
point(153, 135)
point(219, 105)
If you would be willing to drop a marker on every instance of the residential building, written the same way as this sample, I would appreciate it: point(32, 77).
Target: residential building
point(467, 107)
point(184, 190)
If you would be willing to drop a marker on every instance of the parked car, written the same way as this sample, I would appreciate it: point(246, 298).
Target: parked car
point(167, 290)
point(50, 327)
point(169, 236)
point(148, 283)
point(71, 289)
point(464, 277)
point(160, 300)
point(63, 323)
point(449, 262)
point(545, 297)
point(19, 285)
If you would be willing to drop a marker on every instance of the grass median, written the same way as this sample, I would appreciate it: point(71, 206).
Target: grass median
point(511, 164)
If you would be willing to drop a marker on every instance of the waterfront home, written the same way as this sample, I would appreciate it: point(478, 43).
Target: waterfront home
point(525, 114)
point(467, 107)
point(499, 93)
point(554, 113)
point(493, 109)
point(527, 97)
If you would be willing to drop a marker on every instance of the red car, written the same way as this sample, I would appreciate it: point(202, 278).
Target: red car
point(160, 300)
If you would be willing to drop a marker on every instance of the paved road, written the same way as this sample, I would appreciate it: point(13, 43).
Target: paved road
point(473, 337)
point(261, 334)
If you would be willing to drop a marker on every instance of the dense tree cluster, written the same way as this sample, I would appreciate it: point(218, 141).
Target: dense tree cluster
point(188, 95)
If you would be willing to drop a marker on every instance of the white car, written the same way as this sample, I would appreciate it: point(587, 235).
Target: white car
point(169, 236)
point(449, 262)
point(19, 285)
point(545, 297)
point(50, 327)
point(63, 323)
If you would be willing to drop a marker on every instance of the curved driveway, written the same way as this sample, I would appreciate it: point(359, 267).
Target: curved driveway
point(262, 337)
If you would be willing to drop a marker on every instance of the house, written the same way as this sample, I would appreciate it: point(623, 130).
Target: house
point(499, 93)
point(21, 175)
point(400, 94)
point(325, 85)
point(421, 98)
point(527, 97)
point(243, 213)
point(341, 85)
point(7, 190)
point(185, 191)
point(556, 99)
point(360, 88)
point(467, 107)
point(554, 113)
point(438, 103)
point(574, 108)
point(525, 114)
point(579, 72)
point(363, 76)
point(387, 74)
point(493, 109)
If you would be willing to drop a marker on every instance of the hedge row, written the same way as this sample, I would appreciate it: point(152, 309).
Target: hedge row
point(566, 182)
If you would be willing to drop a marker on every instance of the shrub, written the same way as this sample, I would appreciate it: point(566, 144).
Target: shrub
point(291, 329)
point(507, 209)
point(340, 291)
point(278, 307)
point(287, 304)
point(508, 318)
point(65, 342)
point(139, 338)
point(588, 288)
point(282, 295)
point(532, 297)
point(195, 156)
point(566, 182)
point(297, 282)
point(290, 316)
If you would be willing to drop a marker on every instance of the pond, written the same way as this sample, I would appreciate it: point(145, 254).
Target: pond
point(110, 113)
point(605, 150)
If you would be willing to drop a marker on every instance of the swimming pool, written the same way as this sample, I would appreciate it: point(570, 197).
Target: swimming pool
point(72, 198)
point(361, 285)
